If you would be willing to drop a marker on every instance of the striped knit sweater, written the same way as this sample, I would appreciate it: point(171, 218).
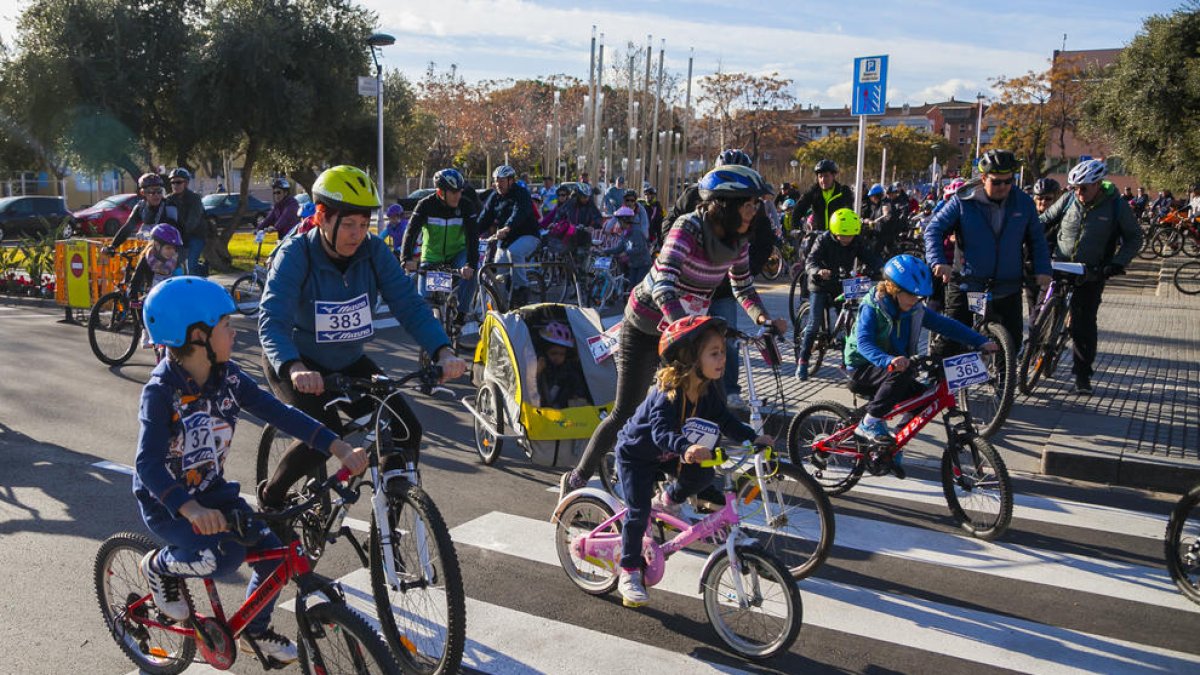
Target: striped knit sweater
point(684, 267)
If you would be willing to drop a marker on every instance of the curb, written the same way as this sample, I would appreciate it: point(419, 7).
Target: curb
point(1160, 474)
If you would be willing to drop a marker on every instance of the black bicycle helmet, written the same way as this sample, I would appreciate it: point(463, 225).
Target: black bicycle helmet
point(732, 157)
point(999, 161)
point(825, 166)
point(1046, 186)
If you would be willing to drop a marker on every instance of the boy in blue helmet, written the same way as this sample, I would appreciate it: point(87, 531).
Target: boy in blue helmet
point(885, 336)
point(188, 412)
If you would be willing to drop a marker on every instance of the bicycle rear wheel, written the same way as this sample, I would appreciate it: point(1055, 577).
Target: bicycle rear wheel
point(342, 641)
point(797, 296)
point(272, 446)
point(836, 473)
point(792, 518)
point(247, 293)
point(1167, 242)
point(773, 267)
point(1182, 544)
point(120, 584)
point(424, 620)
point(1187, 278)
point(977, 488)
point(490, 406)
point(989, 403)
point(114, 329)
point(770, 621)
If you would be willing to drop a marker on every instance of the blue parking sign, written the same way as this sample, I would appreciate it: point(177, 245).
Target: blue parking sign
point(869, 94)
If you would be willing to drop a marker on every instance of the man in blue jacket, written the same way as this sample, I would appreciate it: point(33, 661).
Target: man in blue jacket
point(510, 211)
point(315, 318)
point(991, 222)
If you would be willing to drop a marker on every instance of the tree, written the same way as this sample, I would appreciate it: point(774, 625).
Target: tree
point(1036, 111)
point(1147, 107)
point(276, 75)
point(910, 152)
point(737, 101)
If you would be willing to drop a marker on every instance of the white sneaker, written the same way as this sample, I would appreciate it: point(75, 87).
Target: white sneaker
point(632, 588)
point(662, 502)
point(166, 590)
point(272, 645)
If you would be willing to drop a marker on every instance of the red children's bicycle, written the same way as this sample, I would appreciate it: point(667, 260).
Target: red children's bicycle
point(974, 479)
point(333, 637)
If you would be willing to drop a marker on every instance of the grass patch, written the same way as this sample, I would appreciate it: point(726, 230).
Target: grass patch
point(242, 248)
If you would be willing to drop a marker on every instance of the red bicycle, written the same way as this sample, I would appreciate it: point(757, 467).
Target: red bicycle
point(974, 479)
point(333, 637)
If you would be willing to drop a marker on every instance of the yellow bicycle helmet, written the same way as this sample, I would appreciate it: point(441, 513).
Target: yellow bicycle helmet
point(845, 223)
point(346, 188)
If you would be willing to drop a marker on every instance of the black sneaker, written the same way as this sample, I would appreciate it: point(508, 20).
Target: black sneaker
point(1083, 386)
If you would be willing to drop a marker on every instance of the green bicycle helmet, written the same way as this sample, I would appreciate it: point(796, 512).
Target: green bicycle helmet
point(346, 188)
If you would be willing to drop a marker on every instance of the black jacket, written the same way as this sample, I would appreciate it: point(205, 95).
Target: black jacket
point(843, 198)
point(513, 210)
point(829, 254)
point(190, 208)
point(143, 215)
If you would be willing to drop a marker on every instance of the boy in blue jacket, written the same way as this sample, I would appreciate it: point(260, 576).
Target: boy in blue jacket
point(886, 334)
point(189, 409)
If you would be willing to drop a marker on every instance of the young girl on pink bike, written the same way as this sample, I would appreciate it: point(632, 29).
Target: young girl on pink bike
point(673, 430)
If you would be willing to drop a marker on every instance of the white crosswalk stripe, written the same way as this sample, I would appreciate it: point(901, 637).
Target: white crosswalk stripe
point(504, 640)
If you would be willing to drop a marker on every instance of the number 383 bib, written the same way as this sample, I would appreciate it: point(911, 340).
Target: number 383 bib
point(345, 321)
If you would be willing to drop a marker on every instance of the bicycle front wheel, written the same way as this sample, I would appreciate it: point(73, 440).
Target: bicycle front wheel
point(1042, 340)
point(120, 585)
point(113, 329)
point(790, 515)
point(989, 403)
point(1182, 545)
point(977, 488)
point(340, 640)
point(424, 619)
point(578, 518)
point(247, 293)
point(772, 615)
point(1187, 278)
point(1167, 242)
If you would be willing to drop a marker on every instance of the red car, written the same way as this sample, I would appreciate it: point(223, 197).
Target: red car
point(106, 216)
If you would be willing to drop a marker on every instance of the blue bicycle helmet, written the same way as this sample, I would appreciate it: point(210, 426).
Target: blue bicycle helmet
point(911, 274)
point(394, 211)
point(876, 189)
point(732, 182)
point(179, 302)
point(449, 179)
point(734, 157)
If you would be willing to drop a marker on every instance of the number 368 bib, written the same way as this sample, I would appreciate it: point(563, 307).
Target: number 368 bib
point(345, 321)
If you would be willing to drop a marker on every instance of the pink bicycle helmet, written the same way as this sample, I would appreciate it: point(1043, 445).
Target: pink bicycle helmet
point(624, 212)
point(953, 187)
point(557, 333)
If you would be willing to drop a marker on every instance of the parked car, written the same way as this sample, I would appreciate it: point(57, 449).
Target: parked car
point(105, 217)
point(28, 215)
point(220, 208)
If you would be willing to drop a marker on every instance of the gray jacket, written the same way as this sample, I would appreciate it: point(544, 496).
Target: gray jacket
point(1091, 234)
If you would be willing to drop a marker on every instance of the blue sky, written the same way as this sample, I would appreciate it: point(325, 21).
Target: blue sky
point(936, 49)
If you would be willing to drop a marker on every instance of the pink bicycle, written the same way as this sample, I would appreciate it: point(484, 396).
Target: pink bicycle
point(749, 596)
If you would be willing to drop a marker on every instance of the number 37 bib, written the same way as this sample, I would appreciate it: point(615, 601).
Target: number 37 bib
point(345, 321)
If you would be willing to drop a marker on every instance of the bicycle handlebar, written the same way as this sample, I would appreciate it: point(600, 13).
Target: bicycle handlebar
point(721, 455)
point(380, 385)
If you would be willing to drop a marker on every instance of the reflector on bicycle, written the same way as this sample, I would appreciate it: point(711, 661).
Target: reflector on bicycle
point(965, 370)
point(602, 263)
point(856, 288)
point(1068, 267)
point(439, 281)
point(977, 302)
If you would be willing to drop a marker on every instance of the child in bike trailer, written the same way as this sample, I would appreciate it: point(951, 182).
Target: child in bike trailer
point(835, 251)
point(676, 427)
point(631, 245)
point(886, 334)
point(559, 375)
point(188, 412)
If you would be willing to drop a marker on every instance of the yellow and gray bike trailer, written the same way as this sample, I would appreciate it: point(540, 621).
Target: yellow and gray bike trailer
point(510, 406)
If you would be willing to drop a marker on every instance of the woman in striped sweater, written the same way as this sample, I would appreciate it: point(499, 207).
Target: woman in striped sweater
point(700, 249)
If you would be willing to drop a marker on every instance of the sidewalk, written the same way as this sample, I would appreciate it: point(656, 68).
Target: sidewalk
point(1139, 429)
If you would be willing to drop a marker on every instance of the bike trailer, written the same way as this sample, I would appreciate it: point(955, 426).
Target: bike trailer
point(506, 362)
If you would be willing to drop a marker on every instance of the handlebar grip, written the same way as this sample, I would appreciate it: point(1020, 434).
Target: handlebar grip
point(343, 475)
point(717, 460)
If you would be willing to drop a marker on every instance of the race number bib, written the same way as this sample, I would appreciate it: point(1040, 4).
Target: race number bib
point(602, 263)
point(693, 305)
point(439, 281)
point(701, 432)
point(343, 321)
point(604, 345)
point(977, 302)
point(965, 370)
point(856, 288)
point(205, 440)
point(483, 247)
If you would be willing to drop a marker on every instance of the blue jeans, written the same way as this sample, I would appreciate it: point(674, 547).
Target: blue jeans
point(188, 554)
point(819, 302)
point(518, 252)
point(195, 247)
point(465, 288)
point(727, 308)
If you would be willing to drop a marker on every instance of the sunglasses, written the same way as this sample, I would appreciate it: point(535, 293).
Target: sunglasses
point(153, 192)
point(631, 199)
point(1002, 181)
point(179, 182)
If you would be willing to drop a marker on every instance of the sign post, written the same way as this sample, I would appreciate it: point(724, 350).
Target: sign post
point(869, 97)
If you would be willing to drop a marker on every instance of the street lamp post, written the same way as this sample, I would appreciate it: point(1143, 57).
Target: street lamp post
point(883, 138)
point(979, 126)
point(377, 41)
point(795, 163)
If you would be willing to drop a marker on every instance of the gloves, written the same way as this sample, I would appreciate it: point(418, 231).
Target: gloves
point(1112, 270)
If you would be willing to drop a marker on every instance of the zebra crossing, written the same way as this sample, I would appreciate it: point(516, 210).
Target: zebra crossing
point(894, 593)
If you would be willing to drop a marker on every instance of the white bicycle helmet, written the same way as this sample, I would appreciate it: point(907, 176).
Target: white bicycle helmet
point(504, 171)
point(1087, 172)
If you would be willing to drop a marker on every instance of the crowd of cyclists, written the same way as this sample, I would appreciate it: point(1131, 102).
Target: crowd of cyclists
point(698, 257)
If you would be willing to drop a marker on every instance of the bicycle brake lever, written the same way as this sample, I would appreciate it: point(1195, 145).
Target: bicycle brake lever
point(340, 399)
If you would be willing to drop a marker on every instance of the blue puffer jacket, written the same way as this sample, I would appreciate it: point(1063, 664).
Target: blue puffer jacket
point(302, 274)
point(986, 253)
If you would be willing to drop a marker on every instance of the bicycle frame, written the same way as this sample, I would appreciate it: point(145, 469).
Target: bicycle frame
point(925, 406)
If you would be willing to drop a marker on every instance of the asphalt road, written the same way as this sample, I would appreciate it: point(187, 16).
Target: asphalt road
point(1076, 585)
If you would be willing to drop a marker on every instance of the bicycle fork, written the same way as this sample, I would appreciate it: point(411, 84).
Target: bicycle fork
point(379, 508)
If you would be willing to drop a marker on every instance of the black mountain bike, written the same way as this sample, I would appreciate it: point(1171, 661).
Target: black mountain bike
point(1051, 327)
point(115, 323)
